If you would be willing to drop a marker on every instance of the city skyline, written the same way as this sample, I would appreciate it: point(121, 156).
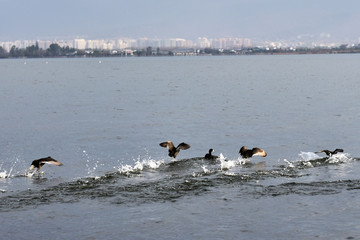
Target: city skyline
point(259, 20)
point(173, 43)
point(129, 43)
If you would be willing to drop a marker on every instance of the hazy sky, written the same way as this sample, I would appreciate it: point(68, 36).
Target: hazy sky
point(261, 19)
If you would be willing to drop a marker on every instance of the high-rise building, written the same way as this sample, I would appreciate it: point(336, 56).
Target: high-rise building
point(246, 42)
point(44, 44)
point(95, 44)
point(203, 42)
point(80, 44)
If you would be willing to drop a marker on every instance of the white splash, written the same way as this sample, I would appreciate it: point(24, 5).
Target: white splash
point(290, 164)
point(92, 165)
point(336, 158)
point(139, 165)
point(29, 174)
point(307, 164)
point(4, 174)
point(339, 158)
point(152, 164)
point(229, 174)
point(243, 161)
point(227, 164)
point(205, 169)
point(307, 156)
point(221, 157)
point(125, 168)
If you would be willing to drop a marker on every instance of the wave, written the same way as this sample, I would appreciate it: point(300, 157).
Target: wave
point(311, 188)
point(149, 180)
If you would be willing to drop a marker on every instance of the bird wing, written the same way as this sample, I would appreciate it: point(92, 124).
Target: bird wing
point(169, 145)
point(327, 152)
point(183, 146)
point(53, 162)
point(259, 152)
point(339, 150)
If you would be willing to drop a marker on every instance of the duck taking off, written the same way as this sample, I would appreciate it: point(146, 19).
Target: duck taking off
point(330, 153)
point(209, 155)
point(173, 151)
point(248, 153)
point(41, 162)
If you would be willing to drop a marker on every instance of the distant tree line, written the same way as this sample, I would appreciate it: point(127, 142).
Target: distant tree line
point(34, 51)
point(55, 50)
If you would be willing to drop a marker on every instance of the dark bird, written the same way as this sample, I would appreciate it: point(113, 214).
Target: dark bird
point(41, 162)
point(248, 153)
point(209, 155)
point(173, 152)
point(330, 153)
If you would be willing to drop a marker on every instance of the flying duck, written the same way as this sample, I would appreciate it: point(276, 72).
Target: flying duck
point(248, 153)
point(330, 153)
point(173, 152)
point(209, 155)
point(41, 162)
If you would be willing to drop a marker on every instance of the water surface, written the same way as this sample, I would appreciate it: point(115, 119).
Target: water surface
point(104, 120)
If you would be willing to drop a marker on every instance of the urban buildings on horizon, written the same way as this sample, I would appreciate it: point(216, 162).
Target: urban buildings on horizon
point(130, 43)
point(172, 43)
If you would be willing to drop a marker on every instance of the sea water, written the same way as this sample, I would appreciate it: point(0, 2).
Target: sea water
point(104, 120)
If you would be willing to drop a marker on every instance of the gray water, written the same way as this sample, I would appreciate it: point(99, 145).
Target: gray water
point(104, 120)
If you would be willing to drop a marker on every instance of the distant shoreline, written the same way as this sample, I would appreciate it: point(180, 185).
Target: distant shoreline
point(55, 51)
